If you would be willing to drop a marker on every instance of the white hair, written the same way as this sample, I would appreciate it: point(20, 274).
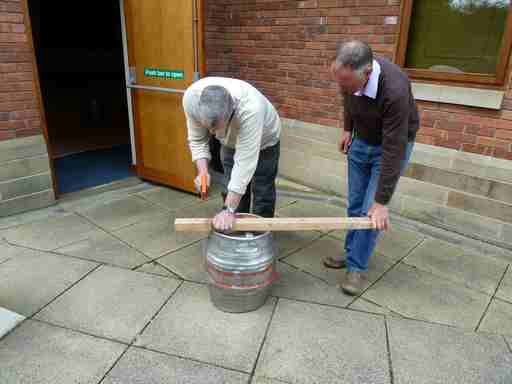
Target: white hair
point(215, 106)
point(356, 55)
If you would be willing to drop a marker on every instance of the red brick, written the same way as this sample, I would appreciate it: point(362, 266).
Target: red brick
point(20, 115)
point(18, 106)
point(12, 37)
point(10, 7)
point(454, 144)
point(480, 149)
point(16, 77)
point(475, 129)
point(450, 125)
point(7, 134)
point(492, 142)
point(432, 132)
point(502, 154)
point(18, 28)
point(307, 4)
point(504, 134)
point(470, 139)
point(283, 47)
point(27, 132)
point(425, 139)
point(459, 109)
point(11, 18)
point(327, 3)
point(499, 124)
point(376, 11)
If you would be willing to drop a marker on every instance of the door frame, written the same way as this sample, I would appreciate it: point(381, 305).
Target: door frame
point(39, 94)
point(199, 62)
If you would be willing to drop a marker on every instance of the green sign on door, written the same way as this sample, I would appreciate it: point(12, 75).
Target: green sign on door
point(164, 74)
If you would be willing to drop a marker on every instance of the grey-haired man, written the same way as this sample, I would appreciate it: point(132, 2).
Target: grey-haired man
point(381, 121)
point(248, 127)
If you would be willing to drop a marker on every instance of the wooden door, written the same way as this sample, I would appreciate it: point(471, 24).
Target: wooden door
point(165, 55)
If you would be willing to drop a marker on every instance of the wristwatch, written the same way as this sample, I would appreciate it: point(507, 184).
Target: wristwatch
point(230, 210)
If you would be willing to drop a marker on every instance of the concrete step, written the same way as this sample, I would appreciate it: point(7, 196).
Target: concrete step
point(24, 167)
point(25, 186)
point(483, 167)
point(458, 180)
point(22, 148)
point(468, 224)
point(27, 203)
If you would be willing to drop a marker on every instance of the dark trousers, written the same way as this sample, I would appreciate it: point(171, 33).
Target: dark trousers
point(262, 189)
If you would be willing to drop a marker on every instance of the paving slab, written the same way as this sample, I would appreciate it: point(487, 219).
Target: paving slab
point(459, 265)
point(204, 209)
point(139, 366)
point(394, 244)
point(121, 213)
point(498, 318)
point(431, 354)
point(88, 199)
point(505, 289)
point(156, 237)
point(188, 263)
point(105, 248)
point(31, 216)
point(308, 343)
point(51, 233)
point(31, 280)
point(156, 269)
point(284, 201)
point(111, 302)
point(421, 295)
point(169, 198)
point(310, 258)
point(295, 284)
point(190, 326)
point(266, 380)
point(8, 251)
point(367, 306)
point(38, 353)
point(288, 242)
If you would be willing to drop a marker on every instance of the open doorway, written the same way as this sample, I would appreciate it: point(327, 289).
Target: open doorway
point(79, 51)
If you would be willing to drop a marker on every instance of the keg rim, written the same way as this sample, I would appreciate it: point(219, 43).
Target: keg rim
point(239, 238)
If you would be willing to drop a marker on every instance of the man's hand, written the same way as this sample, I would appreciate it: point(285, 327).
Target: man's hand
point(346, 140)
point(197, 181)
point(380, 216)
point(224, 221)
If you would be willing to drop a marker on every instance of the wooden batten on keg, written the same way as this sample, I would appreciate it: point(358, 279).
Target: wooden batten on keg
point(279, 224)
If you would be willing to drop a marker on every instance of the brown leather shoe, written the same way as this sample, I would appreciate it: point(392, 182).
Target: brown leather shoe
point(354, 283)
point(330, 262)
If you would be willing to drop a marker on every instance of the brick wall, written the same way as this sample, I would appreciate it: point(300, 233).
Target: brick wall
point(283, 47)
point(19, 108)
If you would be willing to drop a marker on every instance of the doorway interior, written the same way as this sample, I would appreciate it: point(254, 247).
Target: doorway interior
point(79, 53)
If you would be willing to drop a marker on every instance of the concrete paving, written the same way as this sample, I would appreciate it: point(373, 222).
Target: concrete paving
point(112, 294)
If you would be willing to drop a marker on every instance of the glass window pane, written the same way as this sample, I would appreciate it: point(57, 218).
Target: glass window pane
point(458, 36)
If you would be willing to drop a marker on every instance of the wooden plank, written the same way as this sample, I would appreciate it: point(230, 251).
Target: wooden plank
point(279, 224)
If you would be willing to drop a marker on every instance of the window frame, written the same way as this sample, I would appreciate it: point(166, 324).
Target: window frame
point(477, 78)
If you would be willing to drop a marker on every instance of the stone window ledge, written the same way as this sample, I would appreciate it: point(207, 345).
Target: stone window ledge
point(473, 97)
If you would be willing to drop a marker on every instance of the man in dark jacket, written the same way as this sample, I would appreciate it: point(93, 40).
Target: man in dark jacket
point(380, 124)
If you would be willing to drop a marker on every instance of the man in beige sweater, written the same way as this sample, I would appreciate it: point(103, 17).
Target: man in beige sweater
point(248, 127)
